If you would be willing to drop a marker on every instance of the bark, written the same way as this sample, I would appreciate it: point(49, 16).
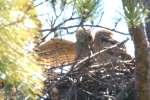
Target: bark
point(147, 24)
point(142, 63)
point(148, 27)
point(147, 5)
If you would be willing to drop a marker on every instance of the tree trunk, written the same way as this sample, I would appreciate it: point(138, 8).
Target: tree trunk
point(148, 27)
point(142, 63)
point(147, 24)
point(147, 5)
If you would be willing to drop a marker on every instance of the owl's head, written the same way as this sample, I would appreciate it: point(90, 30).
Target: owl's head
point(83, 35)
point(104, 36)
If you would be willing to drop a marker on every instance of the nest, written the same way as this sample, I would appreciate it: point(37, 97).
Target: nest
point(110, 81)
point(86, 79)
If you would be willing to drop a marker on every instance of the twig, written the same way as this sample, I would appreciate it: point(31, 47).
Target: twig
point(78, 25)
point(56, 27)
point(117, 22)
point(40, 3)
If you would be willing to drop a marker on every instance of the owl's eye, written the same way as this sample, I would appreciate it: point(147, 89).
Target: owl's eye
point(89, 38)
point(105, 39)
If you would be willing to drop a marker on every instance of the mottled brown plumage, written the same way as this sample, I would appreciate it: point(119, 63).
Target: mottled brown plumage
point(56, 52)
point(55, 93)
point(84, 43)
point(102, 40)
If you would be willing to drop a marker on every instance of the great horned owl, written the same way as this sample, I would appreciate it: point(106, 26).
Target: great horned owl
point(102, 40)
point(83, 43)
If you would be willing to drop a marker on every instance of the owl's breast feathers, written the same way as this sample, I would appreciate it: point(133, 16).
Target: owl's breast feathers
point(83, 43)
point(103, 39)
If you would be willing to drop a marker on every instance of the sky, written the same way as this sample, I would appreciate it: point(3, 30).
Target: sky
point(111, 10)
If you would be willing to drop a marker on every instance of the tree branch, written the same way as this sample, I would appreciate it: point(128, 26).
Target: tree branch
point(67, 27)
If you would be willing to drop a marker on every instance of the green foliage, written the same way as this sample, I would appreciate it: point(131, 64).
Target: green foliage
point(134, 12)
point(18, 69)
point(86, 8)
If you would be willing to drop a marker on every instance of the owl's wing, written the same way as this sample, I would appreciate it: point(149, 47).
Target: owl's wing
point(56, 52)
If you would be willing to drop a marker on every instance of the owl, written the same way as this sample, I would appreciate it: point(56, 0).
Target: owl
point(84, 43)
point(103, 39)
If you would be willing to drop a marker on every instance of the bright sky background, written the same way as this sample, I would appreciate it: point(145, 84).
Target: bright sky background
point(111, 10)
